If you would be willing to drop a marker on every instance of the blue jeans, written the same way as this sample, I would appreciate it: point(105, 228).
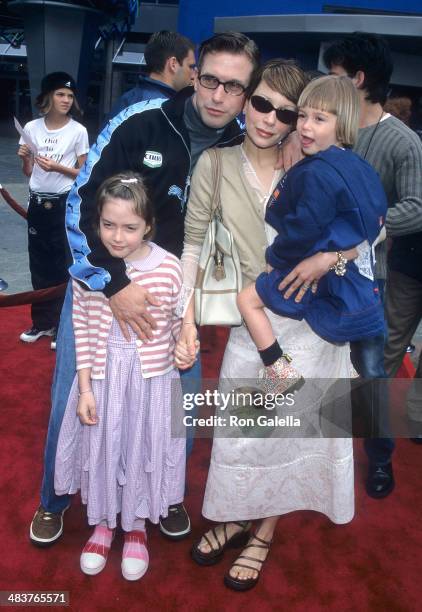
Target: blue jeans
point(368, 359)
point(62, 382)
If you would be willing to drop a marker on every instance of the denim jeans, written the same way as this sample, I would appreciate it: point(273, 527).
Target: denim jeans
point(368, 359)
point(62, 382)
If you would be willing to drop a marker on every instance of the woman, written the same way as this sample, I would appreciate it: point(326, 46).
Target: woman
point(61, 148)
point(252, 479)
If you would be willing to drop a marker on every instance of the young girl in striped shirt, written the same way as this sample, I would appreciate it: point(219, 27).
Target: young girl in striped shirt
point(115, 443)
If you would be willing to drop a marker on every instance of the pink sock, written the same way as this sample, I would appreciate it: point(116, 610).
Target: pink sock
point(135, 545)
point(100, 541)
point(139, 525)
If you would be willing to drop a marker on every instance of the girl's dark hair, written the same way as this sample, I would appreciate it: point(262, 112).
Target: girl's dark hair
point(127, 186)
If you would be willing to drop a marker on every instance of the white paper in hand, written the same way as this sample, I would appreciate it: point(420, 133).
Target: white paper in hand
point(27, 140)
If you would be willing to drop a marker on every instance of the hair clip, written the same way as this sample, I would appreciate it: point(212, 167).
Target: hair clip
point(131, 180)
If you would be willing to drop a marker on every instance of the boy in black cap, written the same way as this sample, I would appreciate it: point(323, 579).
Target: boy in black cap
point(61, 147)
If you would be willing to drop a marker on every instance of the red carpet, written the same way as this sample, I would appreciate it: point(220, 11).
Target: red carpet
point(374, 563)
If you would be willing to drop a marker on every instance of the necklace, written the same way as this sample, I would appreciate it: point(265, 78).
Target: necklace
point(373, 133)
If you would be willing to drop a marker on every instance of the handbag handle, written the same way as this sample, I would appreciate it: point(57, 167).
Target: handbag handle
point(216, 210)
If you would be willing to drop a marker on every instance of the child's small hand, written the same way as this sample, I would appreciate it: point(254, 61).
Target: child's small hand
point(47, 164)
point(24, 151)
point(184, 357)
point(86, 410)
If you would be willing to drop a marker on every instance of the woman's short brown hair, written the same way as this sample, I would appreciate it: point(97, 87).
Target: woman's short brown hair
point(336, 95)
point(283, 76)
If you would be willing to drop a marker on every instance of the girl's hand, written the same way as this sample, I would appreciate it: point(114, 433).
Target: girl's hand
point(187, 347)
point(47, 164)
point(24, 151)
point(307, 274)
point(86, 410)
point(183, 360)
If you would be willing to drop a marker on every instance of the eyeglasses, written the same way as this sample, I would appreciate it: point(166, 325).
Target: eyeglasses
point(234, 88)
point(285, 115)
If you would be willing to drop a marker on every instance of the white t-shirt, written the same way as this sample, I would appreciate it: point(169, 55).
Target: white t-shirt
point(64, 146)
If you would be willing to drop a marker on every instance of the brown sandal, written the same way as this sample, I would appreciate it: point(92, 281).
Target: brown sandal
point(238, 584)
point(216, 554)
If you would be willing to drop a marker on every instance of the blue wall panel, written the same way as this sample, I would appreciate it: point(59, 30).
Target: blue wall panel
point(196, 17)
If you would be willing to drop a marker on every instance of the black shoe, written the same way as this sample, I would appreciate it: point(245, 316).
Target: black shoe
point(32, 335)
point(176, 525)
point(380, 480)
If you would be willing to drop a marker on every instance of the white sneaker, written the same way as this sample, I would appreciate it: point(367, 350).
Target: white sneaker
point(33, 334)
point(135, 559)
point(95, 552)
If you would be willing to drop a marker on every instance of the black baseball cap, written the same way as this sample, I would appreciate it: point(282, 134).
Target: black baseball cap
point(56, 80)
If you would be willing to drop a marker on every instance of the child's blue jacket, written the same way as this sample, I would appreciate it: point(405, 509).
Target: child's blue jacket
point(330, 201)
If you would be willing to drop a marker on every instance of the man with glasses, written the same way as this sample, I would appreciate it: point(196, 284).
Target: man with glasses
point(163, 142)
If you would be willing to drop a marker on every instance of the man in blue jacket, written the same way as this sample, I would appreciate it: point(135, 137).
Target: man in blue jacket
point(170, 66)
point(162, 141)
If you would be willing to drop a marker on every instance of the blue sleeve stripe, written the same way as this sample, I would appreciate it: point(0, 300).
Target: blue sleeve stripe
point(95, 278)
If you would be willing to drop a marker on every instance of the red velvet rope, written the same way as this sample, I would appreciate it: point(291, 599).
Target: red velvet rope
point(32, 297)
point(12, 202)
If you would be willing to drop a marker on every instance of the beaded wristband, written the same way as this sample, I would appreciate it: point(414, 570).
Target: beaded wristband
point(339, 267)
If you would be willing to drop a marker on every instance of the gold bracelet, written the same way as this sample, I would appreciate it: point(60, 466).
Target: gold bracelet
point(339, 267)
point(86, 391)
point(189, 323)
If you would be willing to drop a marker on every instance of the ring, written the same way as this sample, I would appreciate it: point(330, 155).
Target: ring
point(305, 286)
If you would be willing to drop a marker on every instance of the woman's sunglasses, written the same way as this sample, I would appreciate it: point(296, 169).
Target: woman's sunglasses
point(262, 105)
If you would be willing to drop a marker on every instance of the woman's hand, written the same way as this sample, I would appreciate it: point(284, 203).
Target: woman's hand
point(86, 410)
point(290, 152)
point(47, 164)
point(187, 347)
point(24, 151)
point(307, 274)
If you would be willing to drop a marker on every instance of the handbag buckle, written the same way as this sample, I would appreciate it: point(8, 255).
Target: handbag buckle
point(219, 271)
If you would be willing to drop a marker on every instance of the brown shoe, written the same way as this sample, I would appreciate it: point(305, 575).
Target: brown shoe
point(46, 527)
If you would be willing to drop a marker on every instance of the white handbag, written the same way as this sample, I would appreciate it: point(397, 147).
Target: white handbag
point(219, 277)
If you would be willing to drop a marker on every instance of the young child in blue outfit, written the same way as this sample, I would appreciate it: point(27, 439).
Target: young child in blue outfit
point(331, 201)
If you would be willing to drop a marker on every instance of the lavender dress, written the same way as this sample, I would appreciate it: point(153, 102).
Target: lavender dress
point(128, 463)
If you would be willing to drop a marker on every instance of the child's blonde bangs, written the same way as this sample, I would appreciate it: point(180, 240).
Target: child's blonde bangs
point(336, 95)
point(319, 94)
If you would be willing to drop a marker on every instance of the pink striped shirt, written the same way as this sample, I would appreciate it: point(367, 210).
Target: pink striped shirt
point(161, 275)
